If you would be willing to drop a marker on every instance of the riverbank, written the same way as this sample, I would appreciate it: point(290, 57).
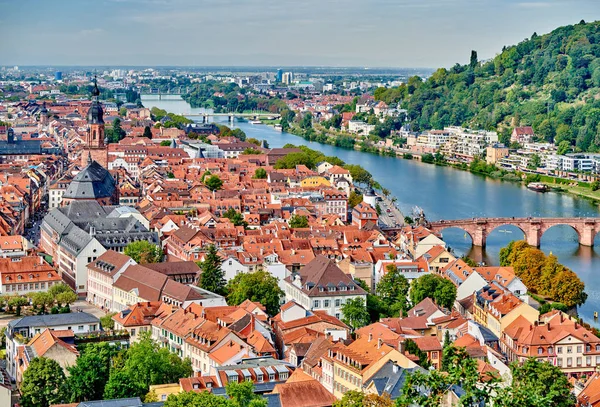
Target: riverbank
point(341, 140)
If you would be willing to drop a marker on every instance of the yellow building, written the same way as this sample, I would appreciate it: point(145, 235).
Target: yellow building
point(163, 391)
point(315, 181)
point(355, 364)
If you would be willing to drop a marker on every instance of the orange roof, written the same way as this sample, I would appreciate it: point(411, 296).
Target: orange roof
point(226, 352)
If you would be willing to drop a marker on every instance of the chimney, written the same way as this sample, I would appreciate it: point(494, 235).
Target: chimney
point(401, 345)
point(370, 336)
point(548, 325)
point(395, 368)
point(379, 343)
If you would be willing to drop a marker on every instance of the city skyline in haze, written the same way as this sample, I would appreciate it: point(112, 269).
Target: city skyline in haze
point(378, 33)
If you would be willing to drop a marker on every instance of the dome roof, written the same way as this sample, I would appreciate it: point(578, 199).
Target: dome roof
point(93, 182)
point(95, 114)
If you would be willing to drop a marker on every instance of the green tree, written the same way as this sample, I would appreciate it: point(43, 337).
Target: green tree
point(148, 132)
point(18, 302)
point(534, 162)
point(355, 313)
point(354, 199)
point(212, 277)
point(359, 174)
point(259, 286)
point(535, 384)
point(117, 133)
point(242, 395)
point(143, 252)
point(66, 298)
point(393, 291)
point(165, 143)
point(194, 399)
point(42, 299)
point(412, 348)
point(43, 384)
point(88, 377)
point(440, 290)
point(145, 363)
point(298, 222)
point(429, 389)
point(213, 183)
point(473, 62)
point(595, 185)
point(469, 261)
point(235, 217)
point(355, 398)
point(59, 288)
point(107, 320)
point(260, 173)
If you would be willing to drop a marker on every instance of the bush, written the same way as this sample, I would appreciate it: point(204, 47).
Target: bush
point(595, 185)
point(407, 156)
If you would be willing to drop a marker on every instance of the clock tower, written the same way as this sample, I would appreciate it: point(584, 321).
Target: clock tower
point(95, 147)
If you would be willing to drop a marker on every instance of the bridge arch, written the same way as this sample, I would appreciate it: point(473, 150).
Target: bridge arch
point(462, 230)
point(522, 236)
point(546, 228)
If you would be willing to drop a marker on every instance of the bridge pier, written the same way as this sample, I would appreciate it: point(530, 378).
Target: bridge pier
point(479, 237)
point(587, 235)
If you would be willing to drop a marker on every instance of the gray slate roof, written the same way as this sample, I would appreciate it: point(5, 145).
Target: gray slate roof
point(72, 318)
point(93, 182)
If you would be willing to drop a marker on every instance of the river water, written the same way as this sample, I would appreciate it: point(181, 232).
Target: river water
point(447, 193)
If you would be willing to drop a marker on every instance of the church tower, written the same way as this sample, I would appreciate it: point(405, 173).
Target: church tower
point(95, 147)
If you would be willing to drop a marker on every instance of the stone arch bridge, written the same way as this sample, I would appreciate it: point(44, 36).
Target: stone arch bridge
point(532, 228)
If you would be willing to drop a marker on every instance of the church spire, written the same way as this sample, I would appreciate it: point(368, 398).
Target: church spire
point(95, 90)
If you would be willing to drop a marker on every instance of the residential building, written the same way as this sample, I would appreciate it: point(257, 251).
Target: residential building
point(322, 285)
point(102, 274)
point(20, 331)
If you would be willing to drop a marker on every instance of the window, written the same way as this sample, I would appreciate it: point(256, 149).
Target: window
point(325, 303)
point(569, 349)
point(579, 361)
point(271, 376)
point(337, 303)
point(559, 349)
point(540, 350)
point(133, 332)
point(579, 348)
point(434, 355)
point(550, 350)
point(337, 315)
point(588, 360)
point(569, 362)
point(316, 303)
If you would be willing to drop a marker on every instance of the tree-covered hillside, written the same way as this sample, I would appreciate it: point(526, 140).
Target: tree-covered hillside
point(551, 82)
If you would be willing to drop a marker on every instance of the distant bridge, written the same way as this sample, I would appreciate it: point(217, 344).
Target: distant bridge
point(532, 228)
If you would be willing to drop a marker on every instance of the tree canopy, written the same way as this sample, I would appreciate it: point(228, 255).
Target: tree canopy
point(212, 277)
point(145, 363)
point(355, 313)
point(298, 221)
point(259, 286)
point(143, 252)
point(439, 289)
point(543, 274)
point(393, 291)
point(214, 183)
point(547, 82)
point(43, 384)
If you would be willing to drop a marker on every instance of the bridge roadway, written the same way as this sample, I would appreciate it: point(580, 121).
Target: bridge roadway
point(532, 228)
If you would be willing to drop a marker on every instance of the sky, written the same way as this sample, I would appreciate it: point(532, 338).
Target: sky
point(363, 33)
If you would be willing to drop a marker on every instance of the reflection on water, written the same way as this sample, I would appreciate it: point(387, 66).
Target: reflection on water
point(447, 193)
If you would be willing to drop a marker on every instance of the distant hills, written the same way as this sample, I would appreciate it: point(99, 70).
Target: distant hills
point(551, 82)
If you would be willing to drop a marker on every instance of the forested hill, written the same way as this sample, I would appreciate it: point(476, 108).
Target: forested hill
point(551, 82)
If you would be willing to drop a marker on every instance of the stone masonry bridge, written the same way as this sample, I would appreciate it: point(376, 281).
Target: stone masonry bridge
point(532, 228)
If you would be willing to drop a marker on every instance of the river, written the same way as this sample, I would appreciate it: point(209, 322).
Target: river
point(448, 193)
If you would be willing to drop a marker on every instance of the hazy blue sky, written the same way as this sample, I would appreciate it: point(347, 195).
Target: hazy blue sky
point(397, 33)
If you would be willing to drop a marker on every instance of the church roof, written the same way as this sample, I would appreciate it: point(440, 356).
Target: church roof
point(93, 182)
